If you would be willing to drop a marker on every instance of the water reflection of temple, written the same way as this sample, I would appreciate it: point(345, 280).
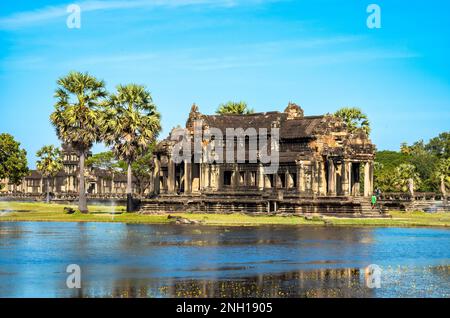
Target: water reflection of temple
point(318, 283)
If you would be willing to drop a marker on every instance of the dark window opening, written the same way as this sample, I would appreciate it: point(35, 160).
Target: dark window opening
point(227, 176)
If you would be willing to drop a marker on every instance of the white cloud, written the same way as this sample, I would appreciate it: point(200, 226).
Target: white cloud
point(35, 17)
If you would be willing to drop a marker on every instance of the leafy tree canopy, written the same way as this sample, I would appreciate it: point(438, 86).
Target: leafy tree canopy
point(402, 176)
point(103, 160)
point(13, 160)
point(50, 160)
point(440, 146)
point(427, 158)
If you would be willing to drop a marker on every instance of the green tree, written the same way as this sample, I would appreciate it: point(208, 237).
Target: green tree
point(13, 160)
point(132, 125)
point(142, 169)
point(237, 108)
point(49, 164)
point(442, 174)
point(425, 162)
point(354, 118)
point(77, 118)
point(383, 179)
point(406, 178)
point(440, 146)
point(105, 161)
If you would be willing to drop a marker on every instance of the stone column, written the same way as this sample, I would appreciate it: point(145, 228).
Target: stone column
point(260, 177)
point(156, 175)
point(219, 177)
point(202, 176)
point(235, 177)
point(346, 178)
point(315, 178)
point(208, 176)
point(171, 176)
point(368, 178)
point(331, 178)
point(187, 177)
point(300, 178)
point(211, 170)
point(322, 179)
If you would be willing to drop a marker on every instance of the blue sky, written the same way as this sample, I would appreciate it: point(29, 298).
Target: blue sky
point(319, 54)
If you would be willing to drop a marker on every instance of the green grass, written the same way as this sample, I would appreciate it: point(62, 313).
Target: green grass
point(34, 211)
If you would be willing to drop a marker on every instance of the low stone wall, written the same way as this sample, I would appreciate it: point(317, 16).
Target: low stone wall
point(66, 198)
point(422, 201)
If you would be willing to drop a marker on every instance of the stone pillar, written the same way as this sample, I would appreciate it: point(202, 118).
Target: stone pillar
point(219, 177)
point(322, 179)
point(371, 172)
point(202, 176)
point(315, 178)
point(236, 176)
point(368, 178)
point(300, 178)
point(212, 178)
point(187, 177)
point(208, 176)
point(171, 176)
point(260, 177)
point(346, 168)
point(156, 175)
point(331, 178)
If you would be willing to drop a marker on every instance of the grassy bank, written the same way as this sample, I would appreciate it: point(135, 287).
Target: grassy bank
point(20, 211)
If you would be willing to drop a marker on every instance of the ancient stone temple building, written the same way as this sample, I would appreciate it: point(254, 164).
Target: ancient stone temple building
point(323, 168)
point(66, 181)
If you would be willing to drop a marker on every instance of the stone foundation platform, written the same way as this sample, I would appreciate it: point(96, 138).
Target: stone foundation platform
point(260, 204)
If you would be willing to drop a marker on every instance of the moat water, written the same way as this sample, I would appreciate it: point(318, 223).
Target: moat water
point(126, 260)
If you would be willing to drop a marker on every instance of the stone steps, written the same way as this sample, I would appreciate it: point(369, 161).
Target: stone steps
point(335, 206)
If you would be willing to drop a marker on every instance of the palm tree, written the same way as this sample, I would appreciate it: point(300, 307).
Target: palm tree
point(443, 175)
point(77, 116)
point(132, 124)
point(237, 108)
point(49, 164)
point(354, 118)
point(406, 178)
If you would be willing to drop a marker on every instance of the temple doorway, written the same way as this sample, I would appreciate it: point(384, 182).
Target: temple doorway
point(179, 177)
point(92, 188)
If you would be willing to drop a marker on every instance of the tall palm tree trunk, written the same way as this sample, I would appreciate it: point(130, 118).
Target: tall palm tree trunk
point(130, 207)
point(443, 191)
point(82, 205)
point(112, 183)
point(48, 190)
